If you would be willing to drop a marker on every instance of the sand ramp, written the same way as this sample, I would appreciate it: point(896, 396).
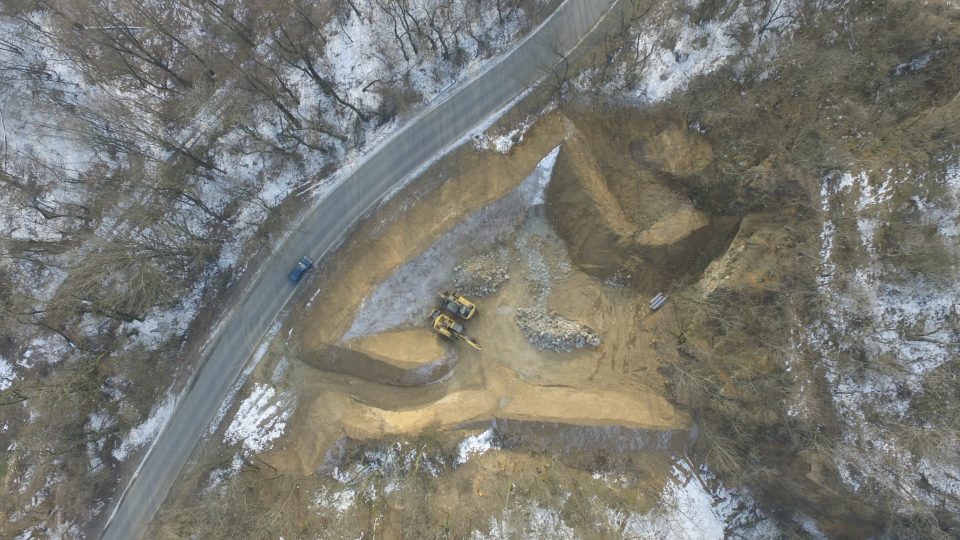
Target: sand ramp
point(528, 403)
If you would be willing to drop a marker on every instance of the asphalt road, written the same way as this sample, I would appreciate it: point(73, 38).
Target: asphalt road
point(421, 140)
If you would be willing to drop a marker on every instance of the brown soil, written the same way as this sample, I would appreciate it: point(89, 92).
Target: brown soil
point(407, 349)
point(751, 260)
point(623, 217)
point(406, 384)
point(674, 228)
point(405, 357)
point(677, 151)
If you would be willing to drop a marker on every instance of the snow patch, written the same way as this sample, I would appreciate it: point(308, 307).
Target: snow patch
point(694, 506)
point(219, 476)
point(504, 142)
point(147, 430)
point(260, 419)
point(49, 350)
point(898, 322)
point(339, 500)
point(162, 324)
point(362, 49)
point(475, 445)
point(98, 423)
point(692, 509)
point(698, 49)
point(7, 374)
point(247, 370)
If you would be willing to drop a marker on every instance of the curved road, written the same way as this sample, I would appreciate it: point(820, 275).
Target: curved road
point(432, 133)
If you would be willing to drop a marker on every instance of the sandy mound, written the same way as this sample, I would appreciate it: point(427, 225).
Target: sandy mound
point(591, 408)
point(584, 212)
point(407, 349)
point(403, 358)
point(677, 151)
point(576, 165)
point(524, 403)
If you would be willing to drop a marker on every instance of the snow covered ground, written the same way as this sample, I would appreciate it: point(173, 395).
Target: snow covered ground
point(7, 374)
point(694, 506)
point(475, 445)
point(260, 418)
point(362, 48)
point(363, 60)
point(146, 431)
point(887, 330)
point(373, 475)
point(86, 149)
point(663, 56)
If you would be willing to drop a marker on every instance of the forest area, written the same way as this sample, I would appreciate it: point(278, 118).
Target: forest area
point(150, 152)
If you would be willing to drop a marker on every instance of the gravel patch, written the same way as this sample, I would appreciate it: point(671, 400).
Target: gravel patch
point(548, 330)
point(483, 274)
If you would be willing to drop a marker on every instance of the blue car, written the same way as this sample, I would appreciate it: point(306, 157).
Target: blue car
point(300, 269)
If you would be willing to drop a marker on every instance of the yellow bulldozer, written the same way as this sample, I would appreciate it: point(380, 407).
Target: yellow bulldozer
point(444, 325)
point(457, 305)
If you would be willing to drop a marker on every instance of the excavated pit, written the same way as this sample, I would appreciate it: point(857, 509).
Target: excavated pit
point(626, 220)
point(402, 358)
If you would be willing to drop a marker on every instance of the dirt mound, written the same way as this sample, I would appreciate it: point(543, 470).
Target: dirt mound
point(750, 263)
point(591, 408)
point(548, 330)
point(616, 387)
point(407, 349)
point(659, 238)
point(524, 403)
point(675, 150)
point(402, 358)
point(674, 227)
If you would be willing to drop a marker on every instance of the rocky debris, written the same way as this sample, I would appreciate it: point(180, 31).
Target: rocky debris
point(538, 273)
point(618, 279)
point(482, 274)
point(547, 330)
point(537, 251)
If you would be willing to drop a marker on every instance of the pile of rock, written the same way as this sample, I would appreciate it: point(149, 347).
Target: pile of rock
point(618, 279)
point(547, 330)
point(482, 274)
